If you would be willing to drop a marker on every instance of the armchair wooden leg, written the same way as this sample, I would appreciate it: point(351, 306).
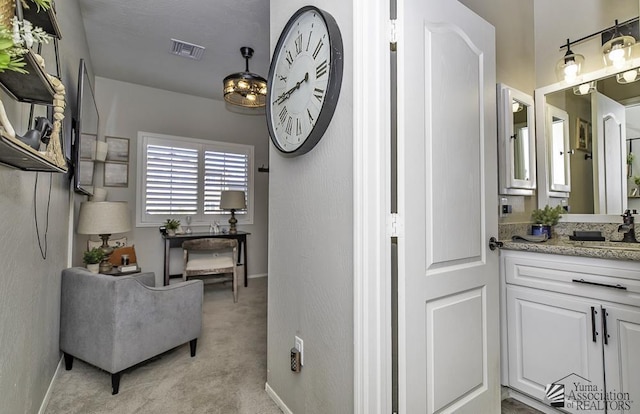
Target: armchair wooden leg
point(115, 383)
point(192, 345)
point(68, 361)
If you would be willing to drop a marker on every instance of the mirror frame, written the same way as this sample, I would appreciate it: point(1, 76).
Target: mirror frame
point(560, 190)
point(545, 196)
point(509, 185)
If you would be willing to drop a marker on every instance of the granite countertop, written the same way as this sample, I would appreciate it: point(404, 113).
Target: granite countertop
point(564, 246)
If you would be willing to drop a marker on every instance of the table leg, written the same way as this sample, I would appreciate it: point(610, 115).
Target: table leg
point(246, 271)
point(166, 261)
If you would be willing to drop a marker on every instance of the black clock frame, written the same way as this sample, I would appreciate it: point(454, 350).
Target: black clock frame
point(333, 85)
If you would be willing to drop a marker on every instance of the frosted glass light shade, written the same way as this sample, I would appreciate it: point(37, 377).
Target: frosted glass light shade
point(103, 217)
point(569, 67)
point(232, 200)
point(617, 51)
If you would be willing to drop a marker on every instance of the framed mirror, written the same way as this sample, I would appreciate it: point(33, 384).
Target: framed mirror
point(557, 134)
point(516, 135)
point(603, 113)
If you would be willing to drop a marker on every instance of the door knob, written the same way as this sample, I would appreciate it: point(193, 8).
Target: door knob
point(494, 243)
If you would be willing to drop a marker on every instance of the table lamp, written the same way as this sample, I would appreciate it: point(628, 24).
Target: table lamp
point(233, 200)
point(104, 218)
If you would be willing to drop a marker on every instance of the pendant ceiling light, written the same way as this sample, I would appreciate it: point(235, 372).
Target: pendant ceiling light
point(617, 50)
point(245, 88)
point(569, 67)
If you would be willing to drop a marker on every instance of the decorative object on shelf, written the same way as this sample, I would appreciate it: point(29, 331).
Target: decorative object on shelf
point(92, 259)
point(171, 225)
point(305, 78)
point(41, 133)
point(104, 218)
point(233, 200)
point(245, 89)
point(544, 219)
point(43, 5)
point(187, 229)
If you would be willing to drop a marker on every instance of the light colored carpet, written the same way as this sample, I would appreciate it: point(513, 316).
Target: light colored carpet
point(227, 375)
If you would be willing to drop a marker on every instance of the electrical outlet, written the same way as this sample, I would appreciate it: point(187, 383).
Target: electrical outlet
point(299, 345)
point(505, 207)
point(295, 360)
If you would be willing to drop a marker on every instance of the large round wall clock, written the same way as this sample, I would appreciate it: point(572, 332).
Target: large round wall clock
point(304, 81)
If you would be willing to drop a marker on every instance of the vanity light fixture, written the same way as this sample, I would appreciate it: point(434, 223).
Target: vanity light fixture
point(628, 76)
point(516, 107)
point(617, 50)
point(570, 66)
point(585, 88)
point(245, 88)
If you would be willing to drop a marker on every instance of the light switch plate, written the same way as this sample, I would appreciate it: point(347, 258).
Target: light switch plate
point(299, 345)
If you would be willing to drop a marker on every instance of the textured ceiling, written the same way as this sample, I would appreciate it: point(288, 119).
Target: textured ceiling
point(130, 41)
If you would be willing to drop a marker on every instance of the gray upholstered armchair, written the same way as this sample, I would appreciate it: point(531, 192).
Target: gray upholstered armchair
point(115, 322)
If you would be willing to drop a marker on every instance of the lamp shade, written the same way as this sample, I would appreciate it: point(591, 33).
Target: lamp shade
point(233, 200)
point(103, 217)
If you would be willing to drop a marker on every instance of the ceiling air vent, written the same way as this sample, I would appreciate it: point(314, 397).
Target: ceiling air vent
point(185, 49)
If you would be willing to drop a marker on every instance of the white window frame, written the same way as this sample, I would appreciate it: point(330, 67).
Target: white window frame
point(200, 219)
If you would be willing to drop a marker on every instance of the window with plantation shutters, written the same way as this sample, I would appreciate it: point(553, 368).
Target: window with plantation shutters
point(223, 171)
point(181, 177)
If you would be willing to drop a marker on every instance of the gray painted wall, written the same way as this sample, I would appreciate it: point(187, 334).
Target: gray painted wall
point(127, 108)
point(30, 294)
point(311, 250)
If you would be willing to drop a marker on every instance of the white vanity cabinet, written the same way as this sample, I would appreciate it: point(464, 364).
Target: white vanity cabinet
point(565, 316)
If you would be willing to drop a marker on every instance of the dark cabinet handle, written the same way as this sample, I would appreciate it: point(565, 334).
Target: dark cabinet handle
point(594, 333)
point(605, 333)
point(494, 243)
point(586, 282)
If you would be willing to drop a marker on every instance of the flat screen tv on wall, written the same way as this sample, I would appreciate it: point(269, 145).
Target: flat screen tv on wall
point(85, 134)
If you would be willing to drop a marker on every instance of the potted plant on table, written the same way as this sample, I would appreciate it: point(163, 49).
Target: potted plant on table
point(92, 259)
point(171, 225)
point(544, 219)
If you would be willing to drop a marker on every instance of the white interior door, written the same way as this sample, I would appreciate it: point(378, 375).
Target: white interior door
point(448, 323)
point(609, 155)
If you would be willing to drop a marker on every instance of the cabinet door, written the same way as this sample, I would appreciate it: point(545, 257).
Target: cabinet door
point(550, 339)
point(622, 354)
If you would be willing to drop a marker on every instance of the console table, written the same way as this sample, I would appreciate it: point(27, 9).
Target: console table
point(176, 241)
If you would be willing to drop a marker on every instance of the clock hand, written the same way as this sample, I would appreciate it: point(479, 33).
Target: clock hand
point(287, 94)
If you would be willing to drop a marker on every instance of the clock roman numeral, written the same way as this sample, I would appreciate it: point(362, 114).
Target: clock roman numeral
point(321, 69)
point(311, 120)
point(283, 114)
point(318, 47)
point(289, 126)
point(298, 127)
point(309, 42)
point(318, 93)
point(298, 43)
point(289, 58)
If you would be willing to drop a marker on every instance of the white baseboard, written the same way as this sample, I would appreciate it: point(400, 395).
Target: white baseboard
point(277, 399)
point(47, 395)
point(531, 402)
point(257, 275)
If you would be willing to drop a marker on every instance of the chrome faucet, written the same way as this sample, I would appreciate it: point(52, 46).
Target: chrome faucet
point(628, 227)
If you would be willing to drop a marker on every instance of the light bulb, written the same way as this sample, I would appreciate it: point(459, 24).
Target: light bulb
point(243, 84)
point(571, 71)
point(616, 56)
point(251, 97)
point(630, 75)
point(584, 88)
point(516, 107)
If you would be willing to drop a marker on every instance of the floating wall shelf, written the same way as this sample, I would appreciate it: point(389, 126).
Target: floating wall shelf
point(44, 19)
point(15, 153)
point(33, 87)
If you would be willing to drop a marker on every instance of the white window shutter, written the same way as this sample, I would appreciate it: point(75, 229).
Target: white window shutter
point(223, 171)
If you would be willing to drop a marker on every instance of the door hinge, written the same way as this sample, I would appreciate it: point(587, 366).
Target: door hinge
point(393, 34)
point(395, 225)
